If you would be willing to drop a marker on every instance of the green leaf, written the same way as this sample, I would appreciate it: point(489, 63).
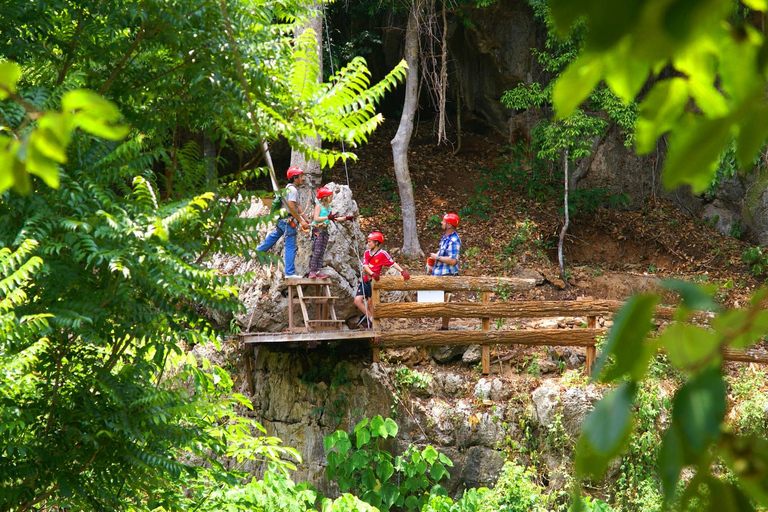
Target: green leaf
point(576, 83)
point(41, 165)
point(10, 72)
point(362, 437)
point(626, 338)
point(389, 493)
point(753, 132)
point(606, 431)
point(727, 497)
point(694, 152)
point(697, 297)
point(624, 73)
point(743, 327)
point(689, 347)
point(94, 114)
point(756, 5)
point(698, 410)
point(361, 459)
point(437, 472)
point(377, 427)
point(747, 457)
point(390, 427)
point(430, 454)
point(384, 470)
point(659, 112)
point(368, 479)
point(671, 462)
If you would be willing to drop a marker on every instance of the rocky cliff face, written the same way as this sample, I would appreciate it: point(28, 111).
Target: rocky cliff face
point(303, 395)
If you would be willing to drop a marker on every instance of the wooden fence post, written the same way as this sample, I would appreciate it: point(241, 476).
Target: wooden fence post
point(485, 350)
point(591, 350)
point(375, 296)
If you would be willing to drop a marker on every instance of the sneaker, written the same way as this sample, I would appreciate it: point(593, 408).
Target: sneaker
point(291, 276)
point(313, 275)
point(320, 275)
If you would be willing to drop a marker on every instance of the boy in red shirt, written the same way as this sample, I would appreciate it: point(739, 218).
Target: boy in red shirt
point(374, 260)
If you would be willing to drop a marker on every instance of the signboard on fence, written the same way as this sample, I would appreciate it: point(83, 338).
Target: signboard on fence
point(430, 296)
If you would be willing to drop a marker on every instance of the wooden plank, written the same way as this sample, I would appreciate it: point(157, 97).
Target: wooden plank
point(290, 307)
point(485, 350)
point(591, 350)
point(283, 337)
point(515, 309)
point(304, 312)
point(455, 284)
point(745, 356)
point(421, 338)
point(375, 298)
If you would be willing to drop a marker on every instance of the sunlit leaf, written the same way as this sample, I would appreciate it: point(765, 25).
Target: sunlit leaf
point(698, 410)
point(689, 347)
point(697, 297)
point(626, 337)
point(606, 431)
point(10, 72)
point(576, 83)
point(624, 73)
point(659, 111)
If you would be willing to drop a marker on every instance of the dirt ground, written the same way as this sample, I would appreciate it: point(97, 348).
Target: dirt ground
point(609, 254)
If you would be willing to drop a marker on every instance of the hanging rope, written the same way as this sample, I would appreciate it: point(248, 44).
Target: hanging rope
point(346, 168)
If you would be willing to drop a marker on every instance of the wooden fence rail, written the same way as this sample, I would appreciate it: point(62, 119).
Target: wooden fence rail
point(485, 310)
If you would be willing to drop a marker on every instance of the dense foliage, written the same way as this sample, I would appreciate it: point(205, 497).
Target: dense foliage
point(111, 105)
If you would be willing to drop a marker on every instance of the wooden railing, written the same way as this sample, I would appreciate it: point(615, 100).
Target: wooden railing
point(485, 310)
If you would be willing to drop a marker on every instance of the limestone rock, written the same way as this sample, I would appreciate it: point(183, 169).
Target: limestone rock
point(265, 296)
point(473, 354)
point(446, 354)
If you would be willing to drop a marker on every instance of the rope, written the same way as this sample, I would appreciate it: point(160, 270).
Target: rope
point(346, 168)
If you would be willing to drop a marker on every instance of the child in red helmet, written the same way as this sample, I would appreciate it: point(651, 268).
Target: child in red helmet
point(374, 260)
point(320, 223)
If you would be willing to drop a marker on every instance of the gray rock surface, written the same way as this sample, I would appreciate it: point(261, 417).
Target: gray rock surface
point(265, 296)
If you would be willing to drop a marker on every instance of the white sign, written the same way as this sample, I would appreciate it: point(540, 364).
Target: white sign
point(430, 296)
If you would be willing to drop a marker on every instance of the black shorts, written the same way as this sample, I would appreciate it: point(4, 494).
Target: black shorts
point(364, 288)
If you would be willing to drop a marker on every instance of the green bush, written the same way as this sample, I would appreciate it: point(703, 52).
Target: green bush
point(515, 491)
point(360, 466)
point(470, 501)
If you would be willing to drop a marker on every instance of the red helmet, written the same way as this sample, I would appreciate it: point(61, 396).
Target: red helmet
point(294, 171)
point(376, 236)
point(452, 219)
point(324, 192)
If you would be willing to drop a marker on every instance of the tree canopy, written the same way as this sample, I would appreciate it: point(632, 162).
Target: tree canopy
point(108, 211)
point(702, 69)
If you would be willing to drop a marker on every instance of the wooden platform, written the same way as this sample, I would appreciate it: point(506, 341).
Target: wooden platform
point(285, 337)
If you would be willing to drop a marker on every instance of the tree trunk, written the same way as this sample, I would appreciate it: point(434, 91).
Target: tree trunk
point(311, 168)
point(565, 225)
point(402, 138)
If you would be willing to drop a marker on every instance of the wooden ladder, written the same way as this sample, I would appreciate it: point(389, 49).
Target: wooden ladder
point(318, 294)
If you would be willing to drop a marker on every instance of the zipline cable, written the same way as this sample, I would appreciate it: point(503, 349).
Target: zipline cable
point(346, 168)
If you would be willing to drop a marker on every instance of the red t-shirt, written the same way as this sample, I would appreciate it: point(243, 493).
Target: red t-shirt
point(380, 259)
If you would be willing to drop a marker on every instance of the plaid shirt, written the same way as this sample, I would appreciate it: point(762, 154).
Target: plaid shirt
point(450, 246)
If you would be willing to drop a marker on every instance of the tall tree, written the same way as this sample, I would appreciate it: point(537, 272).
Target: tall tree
point(402, 140)
point(112, 215)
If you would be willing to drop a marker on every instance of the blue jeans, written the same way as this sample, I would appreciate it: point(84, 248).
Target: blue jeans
point(283, 227)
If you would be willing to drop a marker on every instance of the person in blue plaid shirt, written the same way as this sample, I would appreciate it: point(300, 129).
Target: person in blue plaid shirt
point(447, 256)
